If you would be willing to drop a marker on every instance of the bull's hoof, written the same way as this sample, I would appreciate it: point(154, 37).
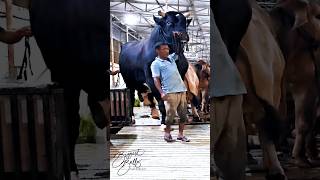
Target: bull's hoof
point(196, 119)
point(74, 176)
point(315, 162)
point(251, 160)
point(302, 163)
point(277, 176)
point(155, 113)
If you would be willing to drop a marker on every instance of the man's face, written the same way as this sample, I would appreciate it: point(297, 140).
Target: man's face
point(163, 51)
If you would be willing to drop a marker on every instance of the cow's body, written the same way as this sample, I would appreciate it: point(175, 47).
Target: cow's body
point(261, 64)
point(301, 49)
point(136, 58)
point(203, 73)
point(270, 45)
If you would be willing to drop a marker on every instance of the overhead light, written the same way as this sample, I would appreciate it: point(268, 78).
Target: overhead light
point(131, 19)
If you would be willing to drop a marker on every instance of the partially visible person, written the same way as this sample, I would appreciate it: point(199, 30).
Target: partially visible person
point(172, 89)
point(228, 129)
point(11, 37)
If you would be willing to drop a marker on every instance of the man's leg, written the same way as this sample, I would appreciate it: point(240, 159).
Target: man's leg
point(228, 137)
point(171, 107)
point(182, 112)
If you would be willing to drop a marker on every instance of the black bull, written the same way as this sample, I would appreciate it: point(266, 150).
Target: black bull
point(136, 57)
point(73, 38)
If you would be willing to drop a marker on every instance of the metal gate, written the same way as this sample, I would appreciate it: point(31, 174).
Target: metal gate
point(33, 138)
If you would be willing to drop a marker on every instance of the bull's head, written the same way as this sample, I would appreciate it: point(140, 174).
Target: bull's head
point(174, 25)
point(306, 15)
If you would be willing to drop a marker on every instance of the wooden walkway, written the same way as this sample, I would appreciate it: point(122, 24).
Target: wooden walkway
point(141, 153)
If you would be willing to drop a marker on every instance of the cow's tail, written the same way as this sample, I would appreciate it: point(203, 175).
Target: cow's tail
point(271, 123)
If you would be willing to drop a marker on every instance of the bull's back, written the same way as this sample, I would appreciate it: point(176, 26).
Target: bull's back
point(75, 36)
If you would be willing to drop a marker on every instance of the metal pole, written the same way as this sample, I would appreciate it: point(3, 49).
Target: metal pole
point(178, 5)
point(166, 5)
point(9, 17)
point(127, 33)
point(112, 53)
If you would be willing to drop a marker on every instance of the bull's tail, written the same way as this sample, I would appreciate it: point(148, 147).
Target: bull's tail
point(271, 123)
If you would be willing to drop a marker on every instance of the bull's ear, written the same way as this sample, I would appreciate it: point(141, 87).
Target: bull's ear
point(157, 20)
point(299, 8)
point(189, 21)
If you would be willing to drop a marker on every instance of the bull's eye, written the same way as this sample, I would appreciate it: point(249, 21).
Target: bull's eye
point(169, 23)
point(318, 16)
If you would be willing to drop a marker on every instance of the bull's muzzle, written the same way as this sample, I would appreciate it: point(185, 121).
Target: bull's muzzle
point(183, 36)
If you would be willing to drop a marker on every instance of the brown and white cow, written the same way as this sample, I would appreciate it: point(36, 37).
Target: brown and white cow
point(261, 65)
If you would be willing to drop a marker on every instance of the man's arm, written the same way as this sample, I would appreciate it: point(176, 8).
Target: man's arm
point(157, 83)
point(11, 37)
point(156, 78)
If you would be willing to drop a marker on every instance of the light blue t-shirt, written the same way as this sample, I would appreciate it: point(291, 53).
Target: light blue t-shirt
point(170, 78)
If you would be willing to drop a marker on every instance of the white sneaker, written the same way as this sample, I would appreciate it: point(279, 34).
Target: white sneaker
point(74, 176)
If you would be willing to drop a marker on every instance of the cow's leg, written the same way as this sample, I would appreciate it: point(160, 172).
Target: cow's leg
point(203, 100)
point(154, 112)
point(162, 110)
point(312, 151)
point(310, 118)
point(194, 111)
point(132, 99)
point(72, 95)
point(270, 159)
point(301, 128)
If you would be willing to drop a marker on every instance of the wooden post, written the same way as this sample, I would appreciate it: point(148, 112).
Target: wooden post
point(9, 17)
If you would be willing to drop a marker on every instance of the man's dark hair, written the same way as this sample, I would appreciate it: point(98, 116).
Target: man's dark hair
point(159, 44)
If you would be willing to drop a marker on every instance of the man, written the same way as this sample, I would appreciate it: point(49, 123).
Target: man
point(228, 135)
point(172, 89)
point(11, 37)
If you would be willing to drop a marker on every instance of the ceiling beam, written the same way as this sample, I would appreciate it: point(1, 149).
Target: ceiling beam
point(198, 5)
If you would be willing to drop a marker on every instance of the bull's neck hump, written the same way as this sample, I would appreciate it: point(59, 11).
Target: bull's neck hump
point(157, 35)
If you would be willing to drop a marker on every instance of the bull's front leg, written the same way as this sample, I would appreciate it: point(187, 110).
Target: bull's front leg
point(203, 99)
point(302, 127)
point(270, 159)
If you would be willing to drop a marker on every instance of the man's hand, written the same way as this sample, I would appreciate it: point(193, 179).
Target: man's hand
point(11, 37)
point(164, 96)
point(24, 31)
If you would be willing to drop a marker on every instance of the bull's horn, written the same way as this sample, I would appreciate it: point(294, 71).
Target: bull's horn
point(187, 14)
point(161, 13)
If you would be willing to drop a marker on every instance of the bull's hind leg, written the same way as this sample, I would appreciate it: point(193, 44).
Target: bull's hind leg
point(132, 99)
point(162, 110)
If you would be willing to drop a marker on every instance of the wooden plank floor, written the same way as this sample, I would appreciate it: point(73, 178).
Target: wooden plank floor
point(144, 147)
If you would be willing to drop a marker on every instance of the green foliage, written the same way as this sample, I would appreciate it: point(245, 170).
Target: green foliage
point(87, 130)
point(136, 103)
